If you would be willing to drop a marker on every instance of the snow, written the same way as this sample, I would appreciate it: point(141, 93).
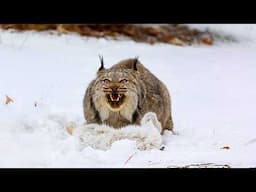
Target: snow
point(147, 135)
point(241, 32)
point(212, 90)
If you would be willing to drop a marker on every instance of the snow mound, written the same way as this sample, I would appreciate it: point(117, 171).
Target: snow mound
point(147, 136)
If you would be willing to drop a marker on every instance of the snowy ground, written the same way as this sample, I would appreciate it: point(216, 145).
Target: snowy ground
point(212, 89)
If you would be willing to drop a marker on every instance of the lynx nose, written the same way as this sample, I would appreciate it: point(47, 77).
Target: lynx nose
point(114, 89)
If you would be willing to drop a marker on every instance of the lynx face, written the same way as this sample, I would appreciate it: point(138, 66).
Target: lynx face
point(116, 90)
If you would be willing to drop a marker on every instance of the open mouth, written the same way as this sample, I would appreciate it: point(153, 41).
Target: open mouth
point(114, 97)
point(115, 100)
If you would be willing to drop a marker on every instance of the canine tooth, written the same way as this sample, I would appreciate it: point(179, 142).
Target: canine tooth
point(112, 99)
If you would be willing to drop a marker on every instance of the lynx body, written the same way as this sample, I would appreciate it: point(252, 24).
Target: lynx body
point(123, 94)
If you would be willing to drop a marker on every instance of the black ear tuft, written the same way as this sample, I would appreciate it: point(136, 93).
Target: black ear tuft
point(135, 61)
point(101, 63)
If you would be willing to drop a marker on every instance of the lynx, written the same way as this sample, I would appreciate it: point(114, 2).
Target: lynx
point(123, 94)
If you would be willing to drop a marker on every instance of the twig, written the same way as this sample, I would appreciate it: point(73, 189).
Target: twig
point(250, 142)
point(23, 42)
point(200, 165)
point(130, 157)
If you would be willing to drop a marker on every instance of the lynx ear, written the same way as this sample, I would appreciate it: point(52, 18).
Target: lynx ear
point(135, 61)
point(101, 63)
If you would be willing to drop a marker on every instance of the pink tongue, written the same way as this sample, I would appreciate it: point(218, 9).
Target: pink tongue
point(114, 96)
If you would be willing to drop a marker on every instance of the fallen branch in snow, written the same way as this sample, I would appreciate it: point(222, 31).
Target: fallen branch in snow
point(251, 141)
point(23, 42)
point(130, 157)
point(202, 165)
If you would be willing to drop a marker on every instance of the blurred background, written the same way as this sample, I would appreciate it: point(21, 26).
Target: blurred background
point(176, 34)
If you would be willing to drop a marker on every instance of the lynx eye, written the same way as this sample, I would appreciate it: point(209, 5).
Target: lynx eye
point(123, 81)
point(106, 80)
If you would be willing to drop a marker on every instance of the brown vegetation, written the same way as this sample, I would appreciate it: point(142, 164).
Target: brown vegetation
point(171, 34)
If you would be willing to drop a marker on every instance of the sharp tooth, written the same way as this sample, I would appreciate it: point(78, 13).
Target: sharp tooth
point(115, 99)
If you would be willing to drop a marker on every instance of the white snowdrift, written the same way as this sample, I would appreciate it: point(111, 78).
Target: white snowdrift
point(147, 136)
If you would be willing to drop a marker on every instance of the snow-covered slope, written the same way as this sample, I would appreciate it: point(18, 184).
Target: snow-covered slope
point(240, 32)
point(212, 90)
